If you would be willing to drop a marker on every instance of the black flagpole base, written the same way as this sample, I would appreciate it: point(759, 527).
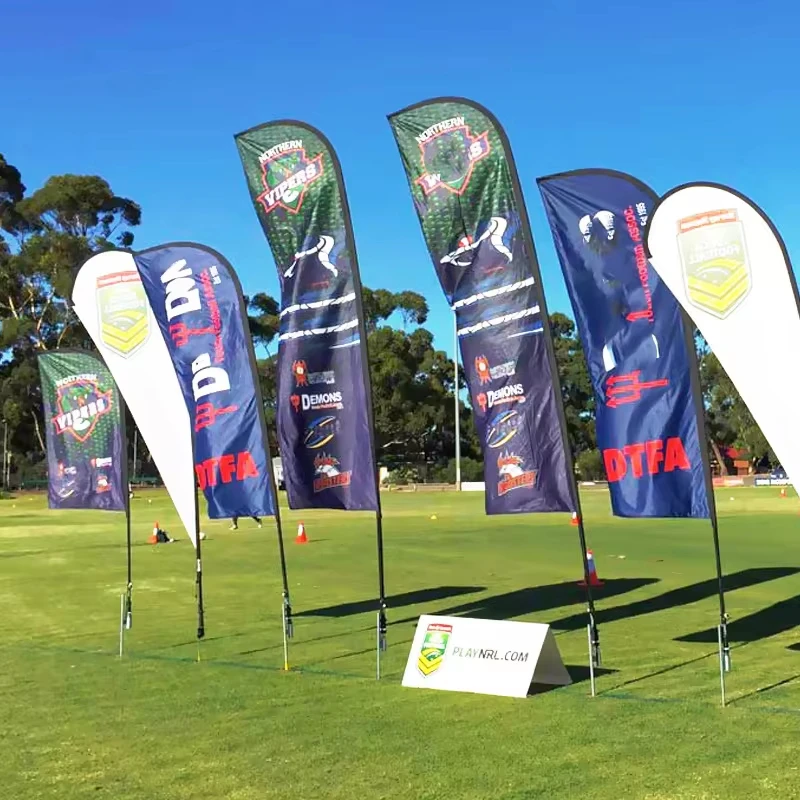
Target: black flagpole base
point(288, 620)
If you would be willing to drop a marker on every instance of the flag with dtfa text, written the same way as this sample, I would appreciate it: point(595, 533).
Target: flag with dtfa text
point(634, 340)
point(198, 304)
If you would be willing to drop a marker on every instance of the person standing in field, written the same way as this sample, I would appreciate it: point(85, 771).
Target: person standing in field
point(235, 522)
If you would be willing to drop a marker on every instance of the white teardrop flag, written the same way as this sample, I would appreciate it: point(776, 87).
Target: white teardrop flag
point(727, 265)
point(110, 301)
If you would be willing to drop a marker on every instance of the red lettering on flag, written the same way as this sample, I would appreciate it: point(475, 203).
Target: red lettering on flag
point(245, 466)
point(614, 461)
point(658, 457)
point(634, 452)
point(229, 467)
point(676, 457)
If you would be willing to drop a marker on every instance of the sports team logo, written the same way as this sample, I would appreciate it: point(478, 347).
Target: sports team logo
point(487, 373)
point(599, 231)
point(124, 312)
point(320, 431)
point(502, 429)
point(286, 173)
point(482, 369)
point(80, 403)
point(329, 476)
point(300, 373)
point(508, 395)
point(317, 402)
point(513, 475)
point(449, 154)
point(434, 647)
point(716, 269)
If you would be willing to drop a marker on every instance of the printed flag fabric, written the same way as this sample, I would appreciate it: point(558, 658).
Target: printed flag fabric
point(466, 194)
point(110, 301)
point(632, 334)
point(324, 406)
point(198, 304)
point(727, 265)
point(85, 432)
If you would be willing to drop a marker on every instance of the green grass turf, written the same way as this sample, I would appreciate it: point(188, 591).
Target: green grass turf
point(76, 721)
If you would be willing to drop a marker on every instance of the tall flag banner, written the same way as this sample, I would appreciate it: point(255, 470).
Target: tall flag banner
point(632, 334)
point(467, 196)
point(727, 265)
point(197, 301)
point(324, 404)
point(85, 432)
point(110, 301)
point(325, 420)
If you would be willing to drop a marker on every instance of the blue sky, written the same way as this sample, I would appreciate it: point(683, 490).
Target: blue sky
point(149, 95)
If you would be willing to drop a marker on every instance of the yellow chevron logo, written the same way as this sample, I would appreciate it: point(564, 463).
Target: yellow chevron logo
point(124, 318)
point(430, 659)
point(433, 648)
point(714, 259)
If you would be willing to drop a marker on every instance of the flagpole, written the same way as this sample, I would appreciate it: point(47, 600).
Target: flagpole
point(457, 403)
point(128, 608)
point(697, 393)
point(135, 449)
point(286, 602)
point(569, 464)
point(198, 580)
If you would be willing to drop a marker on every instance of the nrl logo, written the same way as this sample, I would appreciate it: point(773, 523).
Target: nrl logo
point(434, 647)
point(80, 403)
point(716, 268)
point(329, 475)
point(124, 312)
point(449, 154)
point(286, 173)
point(512, 475)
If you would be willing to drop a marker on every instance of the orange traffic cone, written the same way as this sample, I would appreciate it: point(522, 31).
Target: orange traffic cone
point(783, 492)
point(574, 521)
point(301, 535)
point(593, 579)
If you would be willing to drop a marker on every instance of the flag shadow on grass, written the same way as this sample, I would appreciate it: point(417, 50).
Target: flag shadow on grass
point(762, 624)
point(393, 601)
point(675, 597)
point(543, 598)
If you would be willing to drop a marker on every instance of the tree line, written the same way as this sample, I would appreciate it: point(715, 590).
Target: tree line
point(46, 235)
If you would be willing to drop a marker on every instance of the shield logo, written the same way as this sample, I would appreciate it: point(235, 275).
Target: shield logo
point(433, 649)
point(124, 313)
point(449, 157)
point(716, 268)
point(286, 178)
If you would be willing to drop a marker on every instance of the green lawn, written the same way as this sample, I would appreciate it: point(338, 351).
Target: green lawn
point(76, 721)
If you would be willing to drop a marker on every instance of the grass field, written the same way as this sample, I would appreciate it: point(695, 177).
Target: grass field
point(76, 721)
